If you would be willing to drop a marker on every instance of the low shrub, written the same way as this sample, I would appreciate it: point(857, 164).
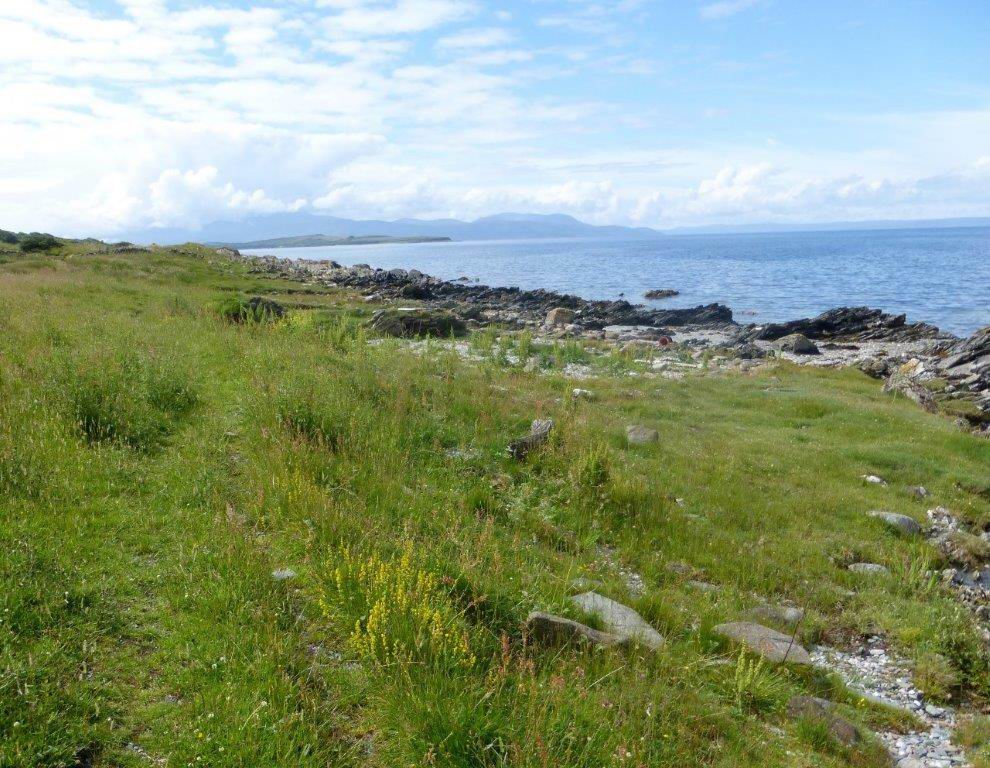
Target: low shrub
point(240, 309)
point(10, 238)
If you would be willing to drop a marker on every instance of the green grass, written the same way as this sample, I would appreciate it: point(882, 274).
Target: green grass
point(157, 463)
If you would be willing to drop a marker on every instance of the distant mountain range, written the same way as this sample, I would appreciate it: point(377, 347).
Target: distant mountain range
point(311, 241)
point(505, 226)
point(257, 231)
point(830, 226)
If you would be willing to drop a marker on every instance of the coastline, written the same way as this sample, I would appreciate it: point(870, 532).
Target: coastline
point(936, 369)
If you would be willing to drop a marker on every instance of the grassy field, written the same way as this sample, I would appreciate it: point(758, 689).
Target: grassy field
point(158, 463)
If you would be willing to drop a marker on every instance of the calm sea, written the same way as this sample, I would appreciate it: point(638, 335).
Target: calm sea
point(941, 276)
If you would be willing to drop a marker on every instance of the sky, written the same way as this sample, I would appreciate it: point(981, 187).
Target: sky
point(118, 114)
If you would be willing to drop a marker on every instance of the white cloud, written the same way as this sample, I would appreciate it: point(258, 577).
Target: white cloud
point(726, 8)
point(485, 37)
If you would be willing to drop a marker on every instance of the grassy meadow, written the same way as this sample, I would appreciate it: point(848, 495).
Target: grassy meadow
point(159, 462)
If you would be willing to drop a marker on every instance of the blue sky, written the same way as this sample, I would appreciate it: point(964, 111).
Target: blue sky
point(127, 113)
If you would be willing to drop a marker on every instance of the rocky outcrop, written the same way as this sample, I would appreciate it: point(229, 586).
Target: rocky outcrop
point(512, 307)
point(849, 324)
point(661, 293)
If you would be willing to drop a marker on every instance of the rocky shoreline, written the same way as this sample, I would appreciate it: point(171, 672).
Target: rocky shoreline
point(937, 370)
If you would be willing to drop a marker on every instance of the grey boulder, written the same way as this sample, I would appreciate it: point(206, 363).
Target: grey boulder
point(619, 620)
point(636, 434)
point(901, 523)
point(556, 630)
point(797, 344)
point(772, 645)
point(871, 568)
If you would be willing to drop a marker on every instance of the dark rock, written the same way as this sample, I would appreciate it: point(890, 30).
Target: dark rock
point(849, 324)
point(549, 629)
point(822, 711)
point(748, 351)
point(417, 291)
point(661, 293)
point(420, 322)
point(797, 344)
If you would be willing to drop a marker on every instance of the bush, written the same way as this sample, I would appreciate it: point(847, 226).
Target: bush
point(38, 241)
point(8, 237)
point(239, 309)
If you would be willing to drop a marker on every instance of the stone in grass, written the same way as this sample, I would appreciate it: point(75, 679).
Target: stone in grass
point(919, 492)
point(774, 646)
point(619, 620)
point(555, 630)
point(901, 523)
point(703, 586)
point(636, 434)
point(283, 574)
point(872, 568)
point(539, 433)
point(823, 711)
point(778, 614)
point(582, 394)
point(874, 480)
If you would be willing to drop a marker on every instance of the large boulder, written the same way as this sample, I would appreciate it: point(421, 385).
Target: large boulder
point(619, 620)
point(772, 645)
point(549, 629)
point(661, 293)
point(900, 523)
point(559, 316)
point(823, 711)
point(797, 344)
point(417, 322)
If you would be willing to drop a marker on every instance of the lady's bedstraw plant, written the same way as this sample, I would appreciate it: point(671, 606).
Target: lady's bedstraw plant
point(400, 613)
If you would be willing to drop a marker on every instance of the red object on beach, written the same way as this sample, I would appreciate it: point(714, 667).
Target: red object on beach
point(665, 341)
